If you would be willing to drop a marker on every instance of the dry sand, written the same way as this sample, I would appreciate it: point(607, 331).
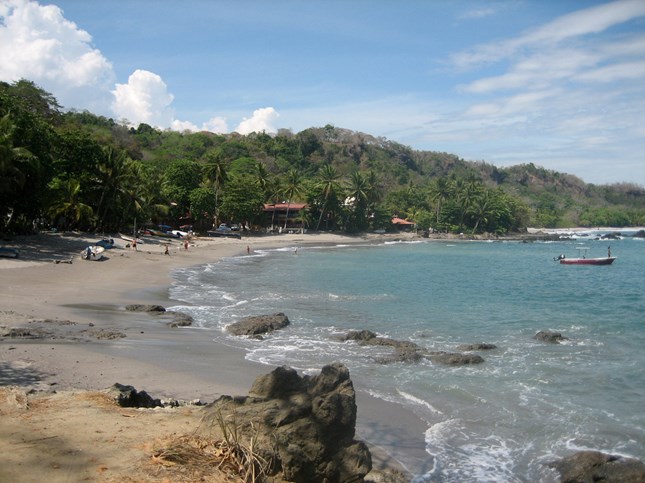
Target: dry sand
point(86, 342)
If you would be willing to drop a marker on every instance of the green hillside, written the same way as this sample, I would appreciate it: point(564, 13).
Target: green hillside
point(83, 171)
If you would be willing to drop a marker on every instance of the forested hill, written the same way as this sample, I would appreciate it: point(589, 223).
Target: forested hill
point(80, 170)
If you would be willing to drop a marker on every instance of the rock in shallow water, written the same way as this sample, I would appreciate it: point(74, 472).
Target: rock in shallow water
point(594, 466)
point(260, 324)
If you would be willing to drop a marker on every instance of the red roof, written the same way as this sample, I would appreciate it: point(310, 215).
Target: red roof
point(283, 206)
point(400, 221)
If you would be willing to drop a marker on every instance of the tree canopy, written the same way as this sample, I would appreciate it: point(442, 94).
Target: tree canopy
point(78, 170)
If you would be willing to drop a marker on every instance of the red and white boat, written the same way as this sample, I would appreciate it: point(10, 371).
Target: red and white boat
point(583, 260)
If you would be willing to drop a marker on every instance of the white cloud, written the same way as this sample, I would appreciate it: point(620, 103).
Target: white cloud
point(183, 126)
point(582, 22)
point(144, 99)
point(216, 125)
point(262, 120)
point(37, 43)
point(478, 13)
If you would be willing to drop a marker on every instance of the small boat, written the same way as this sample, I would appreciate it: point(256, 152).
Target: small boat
point(9, 252)
point(583, 260)
point(93, 252)
point(223, 233)
point(130, 239)
point(106, 243)
point(162, 234)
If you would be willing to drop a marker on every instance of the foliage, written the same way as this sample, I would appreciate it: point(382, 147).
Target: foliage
point(79, 170)
point(242, 201)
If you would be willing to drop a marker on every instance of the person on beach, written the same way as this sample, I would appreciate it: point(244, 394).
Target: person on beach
point(186, 244)
point(134, 244)
point(248, 250)
point(165, 251)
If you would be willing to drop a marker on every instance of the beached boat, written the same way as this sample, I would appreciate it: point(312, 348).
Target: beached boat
point(130, 239)
point(583, 260)
point(9, 252)
point(224, 233)
point(92, 252)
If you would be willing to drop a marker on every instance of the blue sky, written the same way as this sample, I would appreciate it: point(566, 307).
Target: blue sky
point(560, 84)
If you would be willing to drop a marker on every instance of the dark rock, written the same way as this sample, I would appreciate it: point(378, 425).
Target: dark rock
point(180, 319)
point(611, 236)
point(304, 424)
point(128, 397)
point(144, 308)
point(405, 355)
point(387, 475)
point(360, 335)
point(455, 359)
point(594, 466)
point(480, 346)
point(260, 324)
point(103, 334)
point(640, 234)
point(17, 332)
point(281, 383)
point(408, 352)
point(550, 337)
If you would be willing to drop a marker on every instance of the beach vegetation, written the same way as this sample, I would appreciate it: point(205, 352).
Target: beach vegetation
point(223, 453)
point(54, 165)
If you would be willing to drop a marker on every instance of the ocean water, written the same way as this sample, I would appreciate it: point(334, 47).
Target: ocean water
point(528, 404)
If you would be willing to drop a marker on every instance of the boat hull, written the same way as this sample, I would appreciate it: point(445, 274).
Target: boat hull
point(9, 252)
point(94, 253)
point(587, 261)
point(228, 234)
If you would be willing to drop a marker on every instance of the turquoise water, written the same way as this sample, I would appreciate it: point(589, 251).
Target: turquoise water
point(504, 420)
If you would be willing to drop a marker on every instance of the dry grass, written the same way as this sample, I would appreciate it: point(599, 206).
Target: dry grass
point(223, 459)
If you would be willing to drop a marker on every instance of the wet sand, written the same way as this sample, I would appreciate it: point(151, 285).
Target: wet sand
point(85, 340)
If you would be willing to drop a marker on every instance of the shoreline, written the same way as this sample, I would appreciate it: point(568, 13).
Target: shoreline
point(69, 302)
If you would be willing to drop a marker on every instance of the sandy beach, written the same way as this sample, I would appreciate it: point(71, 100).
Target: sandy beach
point(81, 340)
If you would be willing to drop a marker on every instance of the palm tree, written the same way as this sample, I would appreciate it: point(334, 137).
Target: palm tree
point(373, 189)
point(480, 208)
point(467, 190)
point(262, 177)
point(358, 193)
point(292, 189)
point(329, 187)
point(115, 171)
point(216, 175)
point(143, 196)
point(68, 202)
point(15, 163)
point(303, 219)
point(439, 193)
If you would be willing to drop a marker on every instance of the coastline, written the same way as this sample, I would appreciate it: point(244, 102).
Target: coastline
point(70, 303)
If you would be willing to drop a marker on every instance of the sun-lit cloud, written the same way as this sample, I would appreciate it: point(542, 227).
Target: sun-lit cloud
point(144, 99)
point(262, 120)
point(216, 125)
point(37, 43)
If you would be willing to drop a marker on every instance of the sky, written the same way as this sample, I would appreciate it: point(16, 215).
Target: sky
point(556, 83)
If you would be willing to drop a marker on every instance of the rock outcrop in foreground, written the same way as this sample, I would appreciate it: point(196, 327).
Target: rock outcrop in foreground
point(304, 425)
point(594, 466)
